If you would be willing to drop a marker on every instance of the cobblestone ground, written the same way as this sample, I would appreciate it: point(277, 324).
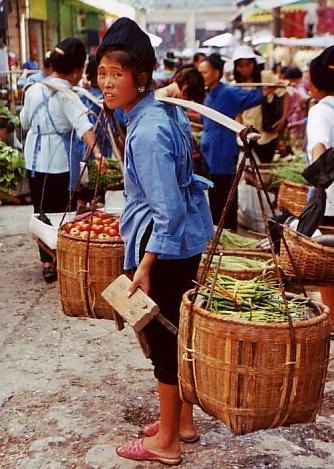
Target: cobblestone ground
point(73, 389)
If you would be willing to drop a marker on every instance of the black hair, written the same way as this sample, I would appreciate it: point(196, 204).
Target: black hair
point(284, 69)
point(129, 61)
point(68, 55)
point(5, 123)
point(256, 75)
point(293, 72)
point(47, 62)
point(275, 66)
point(216, 63)
point(91, 70)
point(197, 57)
point(125, 34)
point(190, 76)
point(322, 70)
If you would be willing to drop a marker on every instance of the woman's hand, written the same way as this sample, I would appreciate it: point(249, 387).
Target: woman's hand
point(141, 278)
point(279, 125)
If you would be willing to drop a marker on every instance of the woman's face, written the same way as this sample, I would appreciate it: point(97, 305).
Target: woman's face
point(245, 67)
point(117, 85)
point(210, 74)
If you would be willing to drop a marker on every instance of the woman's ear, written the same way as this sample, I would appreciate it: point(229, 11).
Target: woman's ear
point(143, 79)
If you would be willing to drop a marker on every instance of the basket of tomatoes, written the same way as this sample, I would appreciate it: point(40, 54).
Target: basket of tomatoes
point(90, 254)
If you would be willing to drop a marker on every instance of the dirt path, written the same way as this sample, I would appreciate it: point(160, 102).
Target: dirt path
point(73, 389)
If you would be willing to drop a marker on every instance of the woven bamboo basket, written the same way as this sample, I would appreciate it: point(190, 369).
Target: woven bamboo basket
point(241, 370)
point(313, 261)
point(81, 287)
point(292, 197)
point(266, 174)
point(241, 274)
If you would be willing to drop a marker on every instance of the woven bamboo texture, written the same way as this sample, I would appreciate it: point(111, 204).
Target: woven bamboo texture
point(81, 287)
point(292, 197)
point(266, 174)
point(241, 274)
point(313, 261)
point(241, 371)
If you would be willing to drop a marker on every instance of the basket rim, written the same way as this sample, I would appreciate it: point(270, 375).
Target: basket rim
point(285, 325)
point(305, 240)
point(118, 241)
point(294, 184)
point(263, 165)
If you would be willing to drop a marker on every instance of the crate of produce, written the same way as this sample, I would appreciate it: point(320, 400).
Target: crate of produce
point(90, 254)
point(237, 360)
point(313, 261)
point(292, 197)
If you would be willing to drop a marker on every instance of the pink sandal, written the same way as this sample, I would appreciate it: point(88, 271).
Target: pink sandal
point(135, 450)
point(153, 428)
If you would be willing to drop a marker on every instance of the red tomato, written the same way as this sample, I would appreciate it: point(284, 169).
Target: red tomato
point(103, 215)
point(114, 224)
point(97, 228)
point(112, 232)
point(68, 227)
point(84, 227)
point(107, 221)
point(97, 221)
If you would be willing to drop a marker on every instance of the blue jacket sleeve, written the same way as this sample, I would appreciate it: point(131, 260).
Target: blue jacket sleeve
point(245, 99)
point(155, 168)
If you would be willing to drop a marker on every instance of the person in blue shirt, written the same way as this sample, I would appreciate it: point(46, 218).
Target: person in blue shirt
point(166, 222)
point(32, 62)
point(26, 80)
point(218, 144)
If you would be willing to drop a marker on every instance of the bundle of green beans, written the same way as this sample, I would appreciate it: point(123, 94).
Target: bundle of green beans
point(229, 240)
point(256, 300)
point(240, 263)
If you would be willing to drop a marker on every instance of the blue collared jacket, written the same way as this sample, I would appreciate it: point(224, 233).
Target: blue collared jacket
point(218, 144)
point(160, 185)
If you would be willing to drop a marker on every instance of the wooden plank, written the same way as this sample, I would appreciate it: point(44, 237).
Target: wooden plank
point(138, 310)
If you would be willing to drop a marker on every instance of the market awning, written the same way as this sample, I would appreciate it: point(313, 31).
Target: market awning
point(260, 11)
point(321, 41)
point(222, 40)
point(112, 7)
point(270, 4)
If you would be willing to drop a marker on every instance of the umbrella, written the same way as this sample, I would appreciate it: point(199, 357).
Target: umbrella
point(222, 40)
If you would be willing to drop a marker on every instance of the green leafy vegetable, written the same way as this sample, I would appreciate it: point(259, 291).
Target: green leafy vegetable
point(12, 170)
point(112, 179)
point(291, 168)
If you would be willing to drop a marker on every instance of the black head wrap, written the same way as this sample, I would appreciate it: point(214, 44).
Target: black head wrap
point(322, 70)
point(127, 34)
